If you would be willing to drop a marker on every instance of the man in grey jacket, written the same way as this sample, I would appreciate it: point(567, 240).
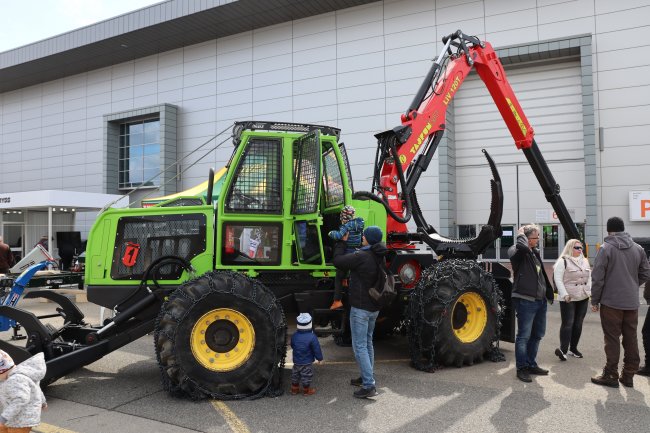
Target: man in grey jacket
point(619, 269)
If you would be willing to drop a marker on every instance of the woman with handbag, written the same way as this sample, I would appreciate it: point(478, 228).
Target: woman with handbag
point(572, 277)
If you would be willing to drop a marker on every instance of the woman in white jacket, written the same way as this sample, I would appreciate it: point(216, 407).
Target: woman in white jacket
point(572, 276)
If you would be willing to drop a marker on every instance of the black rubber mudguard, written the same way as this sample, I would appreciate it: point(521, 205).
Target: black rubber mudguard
point(69, 311)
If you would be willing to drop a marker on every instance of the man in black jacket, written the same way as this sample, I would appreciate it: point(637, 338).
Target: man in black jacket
point(530, 292)
point(364, 272)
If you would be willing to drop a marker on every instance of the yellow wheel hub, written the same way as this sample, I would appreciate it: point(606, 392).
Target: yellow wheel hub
point(222, 340)
point(469, 317)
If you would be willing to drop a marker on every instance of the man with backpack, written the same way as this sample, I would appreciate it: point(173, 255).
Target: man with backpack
point(363, 265)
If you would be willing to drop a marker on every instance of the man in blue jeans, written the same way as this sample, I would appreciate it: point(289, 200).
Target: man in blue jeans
point(530, 292)
point(362, 265)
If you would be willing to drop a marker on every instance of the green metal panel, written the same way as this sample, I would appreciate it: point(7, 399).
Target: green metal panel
point(268, 239)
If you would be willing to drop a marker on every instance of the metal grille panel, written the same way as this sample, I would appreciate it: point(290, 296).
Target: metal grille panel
point(157, 236)
point(257, 184)
point(306, 174)
point(332, 180)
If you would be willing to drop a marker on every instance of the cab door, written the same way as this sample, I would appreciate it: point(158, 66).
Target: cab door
point(251, 222)
point(305, 199)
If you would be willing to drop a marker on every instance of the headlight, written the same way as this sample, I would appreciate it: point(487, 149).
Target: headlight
point(408, 274)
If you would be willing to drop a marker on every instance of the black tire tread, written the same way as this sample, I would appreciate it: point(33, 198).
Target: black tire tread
point(180, 376)
point(432, 340)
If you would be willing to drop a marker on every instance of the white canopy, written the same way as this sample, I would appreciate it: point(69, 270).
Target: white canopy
point(32, 200)
point(55, 201)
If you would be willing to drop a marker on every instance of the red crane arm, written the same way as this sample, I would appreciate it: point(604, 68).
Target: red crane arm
point(415, 141)
point(430, 116)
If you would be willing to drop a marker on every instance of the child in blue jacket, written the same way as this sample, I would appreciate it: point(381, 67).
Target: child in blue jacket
point(353, 226)
point(306, 350)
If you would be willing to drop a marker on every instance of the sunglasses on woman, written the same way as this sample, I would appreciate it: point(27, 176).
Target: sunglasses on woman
point(577, 248)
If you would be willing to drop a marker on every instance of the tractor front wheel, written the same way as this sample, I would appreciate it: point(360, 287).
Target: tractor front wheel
point(221, 336)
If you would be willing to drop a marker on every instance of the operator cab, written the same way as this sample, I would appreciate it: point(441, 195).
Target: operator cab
point(285, 187)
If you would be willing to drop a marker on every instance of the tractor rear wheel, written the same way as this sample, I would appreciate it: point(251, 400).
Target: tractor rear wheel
point(221, 336)
point(454, 314)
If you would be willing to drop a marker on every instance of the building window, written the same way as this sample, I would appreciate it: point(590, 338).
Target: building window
point(138, 144)
point(139, 155)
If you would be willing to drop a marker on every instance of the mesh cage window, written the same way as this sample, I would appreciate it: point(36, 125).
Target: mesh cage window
point(332, 180)
point(306, 174)
point(346, 162)
point(257, 183)
point(140, 240)
point(184, 202)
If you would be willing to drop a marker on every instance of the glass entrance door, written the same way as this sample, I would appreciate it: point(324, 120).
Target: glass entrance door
point(13, 236)
point(549, 242)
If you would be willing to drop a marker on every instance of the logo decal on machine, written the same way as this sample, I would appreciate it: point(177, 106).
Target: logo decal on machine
point(423, 135)
point(523, 128)
point(130, 254)
point(452, 90)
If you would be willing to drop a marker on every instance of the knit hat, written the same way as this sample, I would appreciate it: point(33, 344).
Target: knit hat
point(5, 361)
point(304, 321)
point(615, 224)
point(347, 213)
point(372, 234)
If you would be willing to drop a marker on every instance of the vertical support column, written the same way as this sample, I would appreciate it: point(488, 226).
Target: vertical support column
point(49, 230)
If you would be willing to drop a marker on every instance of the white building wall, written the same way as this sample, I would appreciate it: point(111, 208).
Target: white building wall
point(356, 69)
point(551, 96)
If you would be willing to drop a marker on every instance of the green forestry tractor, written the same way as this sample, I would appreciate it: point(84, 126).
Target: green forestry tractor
point(214, 279)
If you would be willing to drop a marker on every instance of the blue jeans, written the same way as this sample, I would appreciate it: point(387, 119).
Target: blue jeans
point(531, 326)
point(362, 325)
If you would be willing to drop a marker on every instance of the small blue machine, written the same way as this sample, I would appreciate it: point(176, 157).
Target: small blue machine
point(16, 292)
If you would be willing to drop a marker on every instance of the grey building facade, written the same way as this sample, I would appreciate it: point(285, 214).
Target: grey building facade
point(108, 107)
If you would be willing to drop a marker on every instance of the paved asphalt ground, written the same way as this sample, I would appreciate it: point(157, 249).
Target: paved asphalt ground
point(122, 393)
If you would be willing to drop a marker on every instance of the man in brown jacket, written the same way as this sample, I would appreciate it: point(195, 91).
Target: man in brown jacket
point(7, 260)
point(619, 269)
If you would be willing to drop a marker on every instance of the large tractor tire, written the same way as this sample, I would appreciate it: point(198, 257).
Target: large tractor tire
point(454, 316)
point(222, 336)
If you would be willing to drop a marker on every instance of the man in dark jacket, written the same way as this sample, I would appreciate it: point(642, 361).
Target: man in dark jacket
point(530, 292)
point(7, 260)
point(363, 267)
point(619, 269)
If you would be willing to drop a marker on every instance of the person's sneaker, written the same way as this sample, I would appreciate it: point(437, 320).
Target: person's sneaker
point(522, 374)
point(538, 370)
point(627, 381)
point(644, 371)
point(575, 353)
point(295, 389)
point(606, 379)
point(365, 392)
point(561, 354)
point(336, 305)
point(308, 390)
point(356, 382)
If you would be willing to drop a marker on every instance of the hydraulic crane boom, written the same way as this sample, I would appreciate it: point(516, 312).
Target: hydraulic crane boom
point(415, 141)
